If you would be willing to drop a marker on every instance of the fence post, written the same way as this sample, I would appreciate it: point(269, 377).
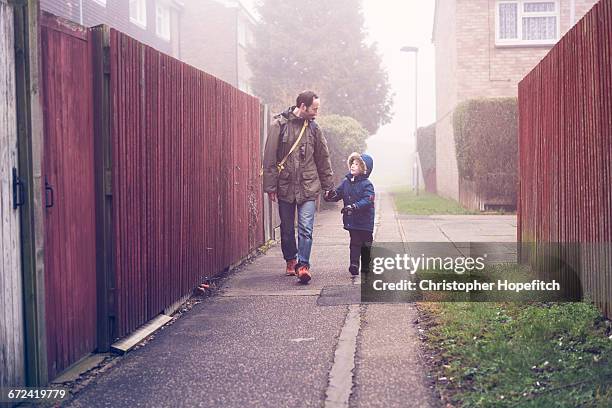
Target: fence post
point(267, 207)
point(105, 277)
point(12, 342)
point(30, 146)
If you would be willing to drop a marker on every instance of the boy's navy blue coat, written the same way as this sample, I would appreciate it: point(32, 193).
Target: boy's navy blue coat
point(361, 193)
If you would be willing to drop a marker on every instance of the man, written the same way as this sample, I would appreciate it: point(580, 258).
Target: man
point(296, 167)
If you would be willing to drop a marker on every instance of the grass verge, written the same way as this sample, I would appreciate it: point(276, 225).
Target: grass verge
point(407, 202)
point(519, 355)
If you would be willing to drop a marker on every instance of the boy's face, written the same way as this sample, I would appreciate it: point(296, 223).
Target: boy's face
point(355, 170)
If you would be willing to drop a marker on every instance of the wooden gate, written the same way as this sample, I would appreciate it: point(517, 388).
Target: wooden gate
point(70, 256)
point(11, 301)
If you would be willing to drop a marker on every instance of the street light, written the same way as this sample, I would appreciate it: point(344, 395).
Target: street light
point(415, 173)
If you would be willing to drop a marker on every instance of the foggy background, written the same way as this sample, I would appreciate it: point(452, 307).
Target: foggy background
point(392, 25)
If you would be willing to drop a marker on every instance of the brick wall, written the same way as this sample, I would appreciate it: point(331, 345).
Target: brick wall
point(466, 29)
point(582, 7)
point(484, 70)
point(487, 70)
point(116, 14)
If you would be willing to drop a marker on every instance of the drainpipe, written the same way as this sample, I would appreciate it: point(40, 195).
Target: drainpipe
point(81, 12)
point(572, 13)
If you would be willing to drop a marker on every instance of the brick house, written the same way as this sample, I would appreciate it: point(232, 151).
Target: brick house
point(214, 37)
point(153, 22)
point(483, 49)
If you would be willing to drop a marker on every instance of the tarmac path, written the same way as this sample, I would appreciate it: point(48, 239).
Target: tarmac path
point(266, 341)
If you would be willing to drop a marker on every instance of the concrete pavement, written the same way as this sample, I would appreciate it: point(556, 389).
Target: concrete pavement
point(459, 228)
point(266, 341)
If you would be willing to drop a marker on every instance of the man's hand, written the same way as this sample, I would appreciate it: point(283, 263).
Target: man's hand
point(272, 195)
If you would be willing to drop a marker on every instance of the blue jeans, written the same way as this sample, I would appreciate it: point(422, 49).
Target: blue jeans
point(306, 213)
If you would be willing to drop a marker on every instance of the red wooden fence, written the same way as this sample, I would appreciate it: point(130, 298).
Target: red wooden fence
point(187, 198)
point(152, 170)
point(565, 148)
point(70, 239)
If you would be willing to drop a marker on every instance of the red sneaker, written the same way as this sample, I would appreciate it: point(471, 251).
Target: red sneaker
point(303, 273)
point(291, 267)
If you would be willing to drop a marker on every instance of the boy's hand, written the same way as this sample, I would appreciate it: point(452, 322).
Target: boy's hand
point(272, 196)
point(348, 210)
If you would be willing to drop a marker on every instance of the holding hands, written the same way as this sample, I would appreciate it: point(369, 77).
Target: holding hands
point(330, 195)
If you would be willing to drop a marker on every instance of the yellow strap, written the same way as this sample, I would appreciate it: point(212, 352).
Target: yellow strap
point(280, 166)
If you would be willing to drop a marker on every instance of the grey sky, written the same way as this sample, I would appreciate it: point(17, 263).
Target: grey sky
point(393, 24)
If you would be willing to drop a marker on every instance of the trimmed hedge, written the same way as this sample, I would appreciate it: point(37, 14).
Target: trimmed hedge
point(426, 146)
point(486, 141)
point(344, 136)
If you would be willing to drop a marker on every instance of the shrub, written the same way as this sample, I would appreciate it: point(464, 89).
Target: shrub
point(486, 144)
point(426, 146)
point(344, 135)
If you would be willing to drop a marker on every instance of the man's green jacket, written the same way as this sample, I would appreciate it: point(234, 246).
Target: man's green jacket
point(307, 169)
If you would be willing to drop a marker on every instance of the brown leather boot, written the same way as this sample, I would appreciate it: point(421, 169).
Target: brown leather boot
point(303, 273)
point(291, 267)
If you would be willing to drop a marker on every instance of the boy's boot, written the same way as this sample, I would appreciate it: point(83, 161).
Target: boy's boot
point(366, 257)
point(354, 269)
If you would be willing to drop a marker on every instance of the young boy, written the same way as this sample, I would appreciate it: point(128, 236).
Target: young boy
point(357, 192)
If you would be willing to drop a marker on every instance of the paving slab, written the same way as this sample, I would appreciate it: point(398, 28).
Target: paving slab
point(459, 228)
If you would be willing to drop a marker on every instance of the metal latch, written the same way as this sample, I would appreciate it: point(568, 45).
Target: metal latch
point(18, 190)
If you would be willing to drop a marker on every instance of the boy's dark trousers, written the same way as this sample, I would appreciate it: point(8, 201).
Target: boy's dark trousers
point(360, 246)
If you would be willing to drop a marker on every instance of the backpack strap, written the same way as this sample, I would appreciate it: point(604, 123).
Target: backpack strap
point(281, 165)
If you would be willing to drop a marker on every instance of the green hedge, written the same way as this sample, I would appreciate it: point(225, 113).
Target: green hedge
point(426, 146)
point(486, 141)
point(344, 136)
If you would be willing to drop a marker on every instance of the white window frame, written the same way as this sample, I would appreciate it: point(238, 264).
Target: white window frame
point(141, 18)
point(520, 4)
point(101, 2)
point(162, 31)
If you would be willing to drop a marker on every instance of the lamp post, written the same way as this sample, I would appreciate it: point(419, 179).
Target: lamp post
point(415, 172)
